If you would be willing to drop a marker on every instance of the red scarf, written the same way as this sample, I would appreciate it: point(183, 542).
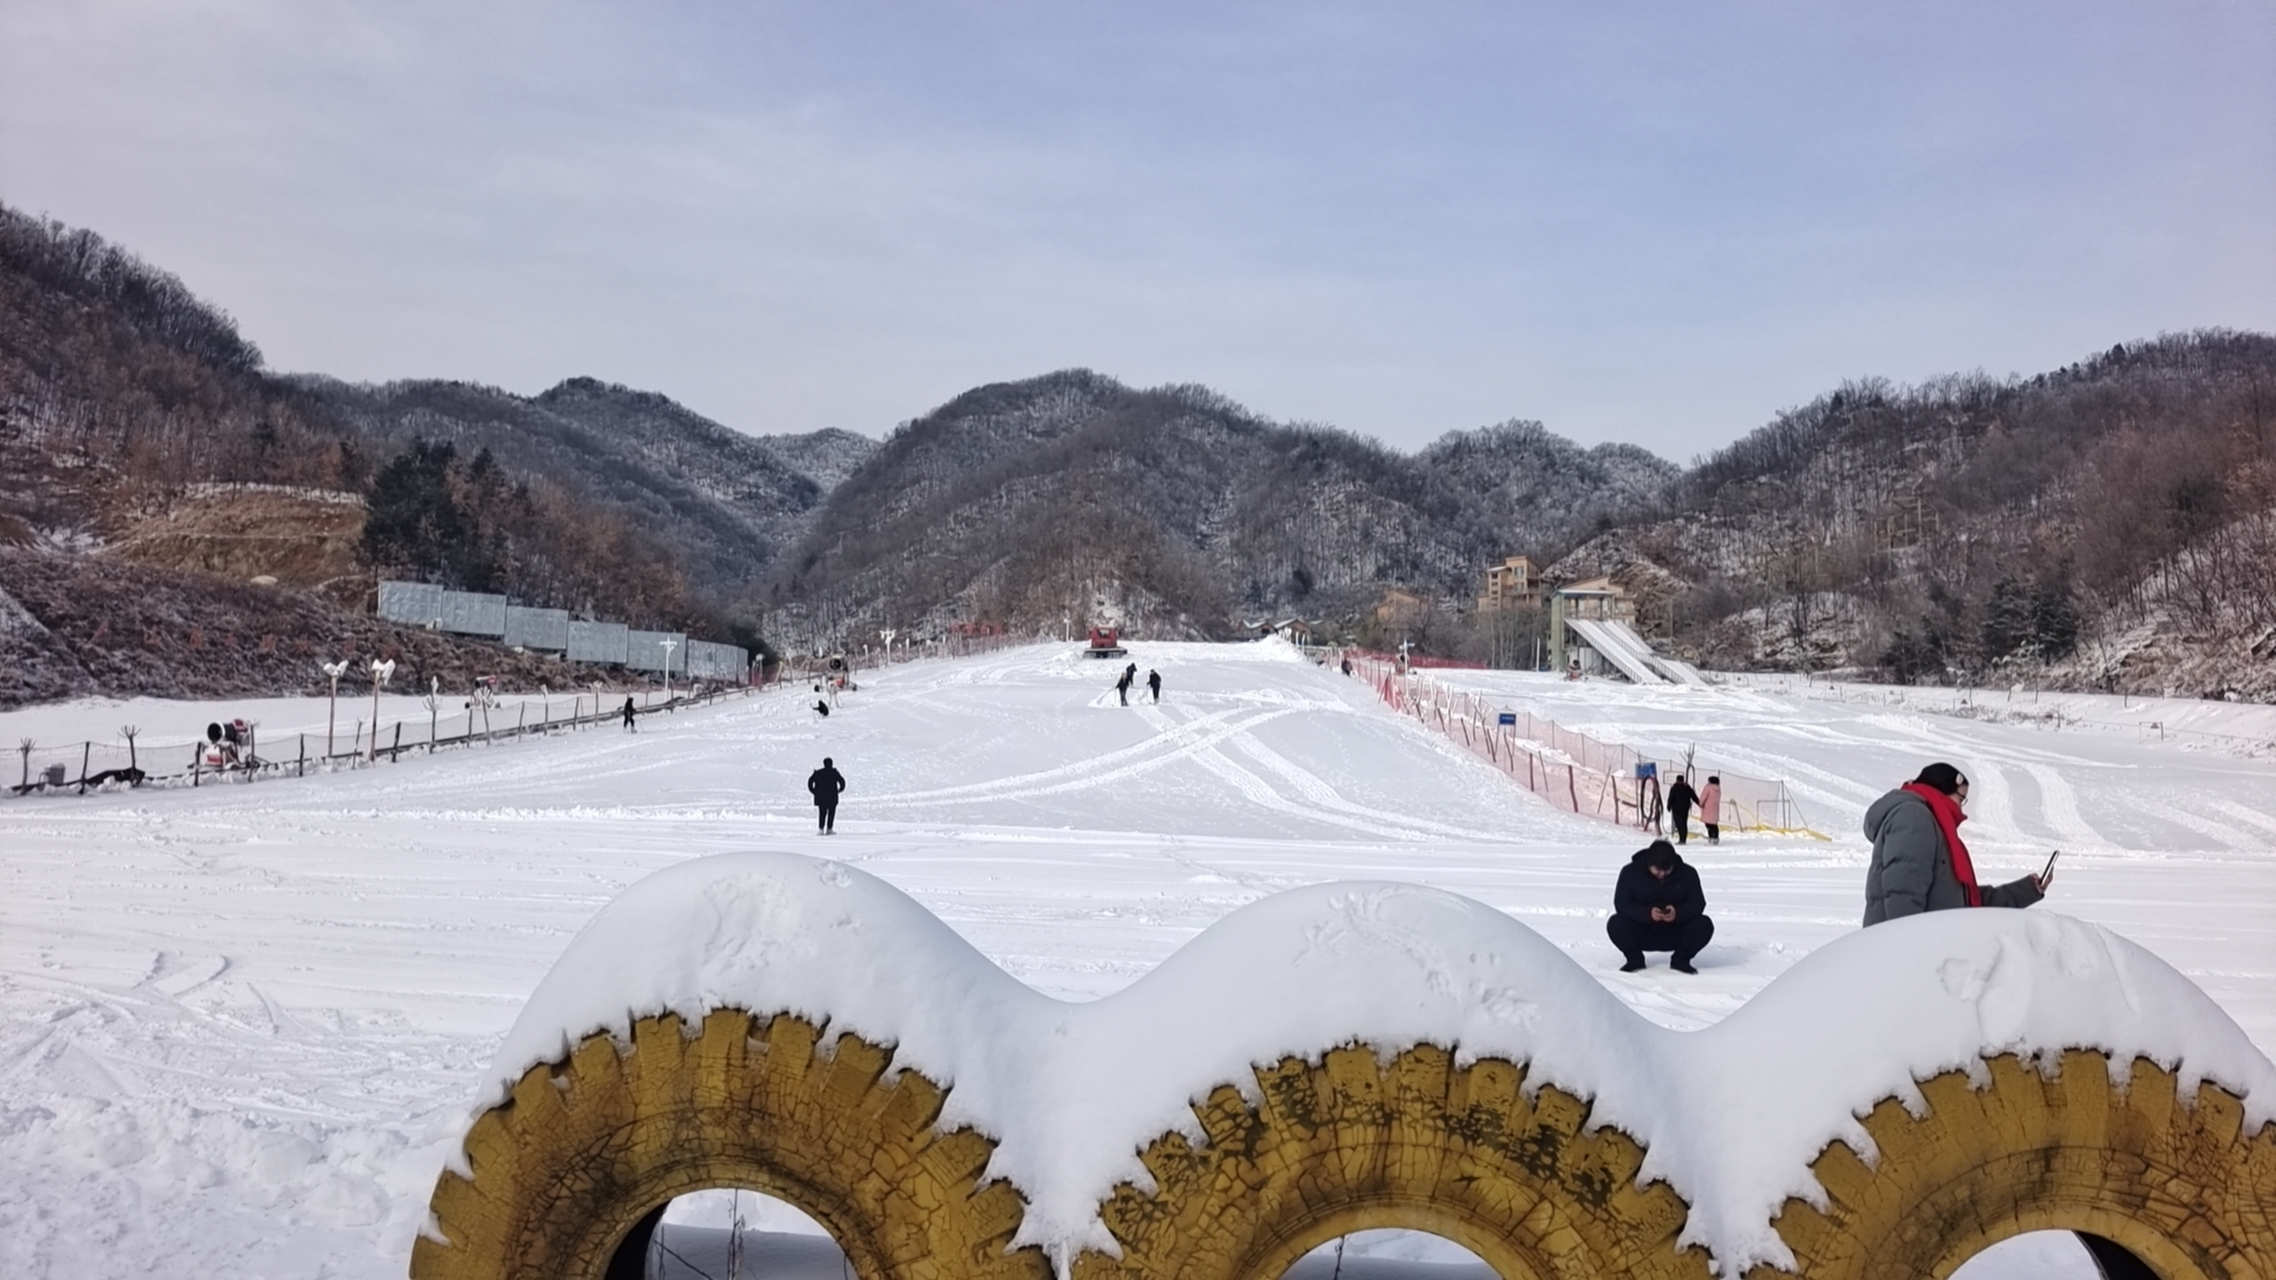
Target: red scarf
point(1949, 818)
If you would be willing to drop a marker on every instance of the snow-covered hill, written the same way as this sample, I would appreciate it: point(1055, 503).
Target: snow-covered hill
point(241, 1026)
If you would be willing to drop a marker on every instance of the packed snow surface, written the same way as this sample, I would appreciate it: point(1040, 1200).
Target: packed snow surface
point(241, 1026)
point(1730, 1116)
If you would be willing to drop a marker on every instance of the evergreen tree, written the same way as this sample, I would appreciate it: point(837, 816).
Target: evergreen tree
point(2007, 620)
point(2054, 621)
point(412, 522)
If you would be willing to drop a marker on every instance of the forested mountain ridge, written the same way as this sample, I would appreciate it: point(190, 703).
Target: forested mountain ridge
point(137, 425)
point(1539, 490)
point(2111, 524)
point(1072, 496)
point(720, 503)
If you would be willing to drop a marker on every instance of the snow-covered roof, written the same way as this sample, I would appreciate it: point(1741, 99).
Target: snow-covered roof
point(1730, 1116)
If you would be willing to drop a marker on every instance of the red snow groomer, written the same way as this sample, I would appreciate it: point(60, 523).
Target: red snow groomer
point(1106, 642)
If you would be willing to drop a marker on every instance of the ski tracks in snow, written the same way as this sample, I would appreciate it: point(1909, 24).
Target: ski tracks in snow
point(1322, 803)
point(1181, 742)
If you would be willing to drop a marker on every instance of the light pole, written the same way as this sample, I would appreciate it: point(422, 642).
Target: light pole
point(669, 645)
point(381, 673)
point(332, 709)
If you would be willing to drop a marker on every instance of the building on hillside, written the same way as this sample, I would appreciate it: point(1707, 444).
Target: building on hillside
point(1399, 608)
point(1598, 599)
point(1293, 630)
point(1512, 584)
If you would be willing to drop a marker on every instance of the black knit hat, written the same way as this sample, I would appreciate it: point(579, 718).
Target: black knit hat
point(1943, 777)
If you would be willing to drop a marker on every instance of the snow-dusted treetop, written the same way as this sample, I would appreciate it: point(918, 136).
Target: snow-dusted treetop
point(1730, 1116)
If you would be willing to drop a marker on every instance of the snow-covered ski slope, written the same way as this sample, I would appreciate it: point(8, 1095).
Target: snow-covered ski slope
point(240, 1026)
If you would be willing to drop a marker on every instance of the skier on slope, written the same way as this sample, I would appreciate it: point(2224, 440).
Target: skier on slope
point(1919, 863)
point(1154, 683)
point(1122, 684)
point(629, 712)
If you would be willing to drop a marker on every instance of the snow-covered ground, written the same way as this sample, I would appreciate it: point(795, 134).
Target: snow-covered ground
point(240, 1026)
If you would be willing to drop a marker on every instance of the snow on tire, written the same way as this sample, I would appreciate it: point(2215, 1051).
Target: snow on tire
point(584, 1151)
point(1347, 1145)
point(2172, 1180)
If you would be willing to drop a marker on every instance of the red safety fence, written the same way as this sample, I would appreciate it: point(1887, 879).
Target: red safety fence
point(1569, 769)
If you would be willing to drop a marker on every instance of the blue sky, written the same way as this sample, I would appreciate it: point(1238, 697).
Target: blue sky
point(1657, 223)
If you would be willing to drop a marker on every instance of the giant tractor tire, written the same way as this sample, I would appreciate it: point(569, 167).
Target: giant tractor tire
point(2157, 1184)
point(573, 1168)
point(1347, 1145)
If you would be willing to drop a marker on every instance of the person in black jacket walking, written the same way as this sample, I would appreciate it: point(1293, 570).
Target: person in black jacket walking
point(1680, 800)
point(1658, 906)
point(826, 784)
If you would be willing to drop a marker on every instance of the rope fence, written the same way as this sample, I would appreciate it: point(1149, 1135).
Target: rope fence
point(130, 761)
point(1569, 769)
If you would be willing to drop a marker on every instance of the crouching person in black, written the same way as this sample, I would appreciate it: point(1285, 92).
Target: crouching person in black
point(1658, 906)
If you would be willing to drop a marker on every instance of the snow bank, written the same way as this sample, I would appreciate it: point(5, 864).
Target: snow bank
point(1731, 1116)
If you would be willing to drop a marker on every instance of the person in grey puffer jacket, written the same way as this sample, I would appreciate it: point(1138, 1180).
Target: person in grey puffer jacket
point(1919, 861)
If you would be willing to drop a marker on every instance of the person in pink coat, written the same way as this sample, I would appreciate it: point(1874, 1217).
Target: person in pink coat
point(1711, 808)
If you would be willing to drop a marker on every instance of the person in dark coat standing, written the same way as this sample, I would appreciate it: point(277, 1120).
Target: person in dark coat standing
point(1919, 861)
point(1658, 906)
point(826, 784)
point(1154, 683)
point(1122, 685)
point(1680, 799)
point(629, 712)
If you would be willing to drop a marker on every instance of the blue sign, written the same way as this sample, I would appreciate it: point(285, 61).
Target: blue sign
point(1507, 717)
point(1646, 769)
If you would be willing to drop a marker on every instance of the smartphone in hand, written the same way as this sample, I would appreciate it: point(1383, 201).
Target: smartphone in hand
point(2047, 874)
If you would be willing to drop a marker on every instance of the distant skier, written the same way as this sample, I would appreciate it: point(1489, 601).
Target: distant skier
point(1919, 863)
point(1122, 685)
point(1711, 809)
point(1347, 666)
point(1680, 799)
point(826, 784)
point(1154, 683)
point(629, 712)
